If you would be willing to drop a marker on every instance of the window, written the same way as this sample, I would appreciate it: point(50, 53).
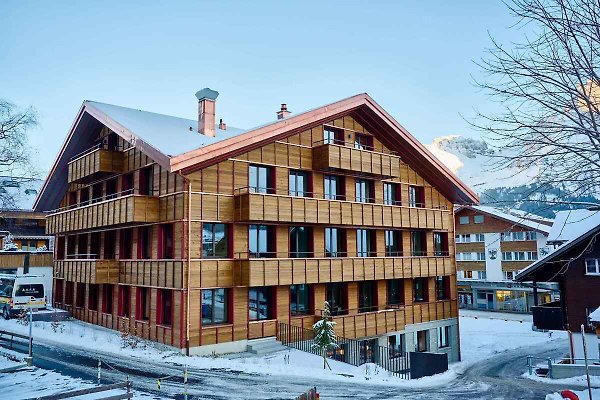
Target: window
point(479, 237)
point(300, 300)
point(107, 298)
point(506, 237)
point(145, 242)
point(363, 142)
point(420, 289)
point(443, 336)
point(165, 241)
point(95, 245)
point(442, 287)
point(146, 181)
point(364, 191)
point(127, 183)
point(333, 136)
point(478, 219)
point(480, 256)
point(393, 243)
point(509, 275)
point(518, 236)
point(592, 266)
point(416, 196)
point(124, 301)
point(111, 188)
point(110, 245)
point(215, 243)
point(260, 307)
point(422, 342)
point(391, 194)
point(260, 241)
point(164, 314)
point(300, 242)
point(82, 246)
point(125, 245)
point(69, 292)
point(215, 306)
point(80, 298)
point(519, 255)
point(481, 275)
point(93, 297)
point(84, 195)
point(507, 256)
point(395, 292)
point(466, 256)
point(532, 255)
point(143, 304)
point(397, 345)
point(463, 238)
point(417, 243)
point(337, 295)
point(259, 179)
point(299, 184)
point(531, 235)
point(463, 220)
point(440, 244)
point(58, 290)
point(468, 274)
point(334, 187)
point(367, 296)
point(335, 242)
point(365, 243)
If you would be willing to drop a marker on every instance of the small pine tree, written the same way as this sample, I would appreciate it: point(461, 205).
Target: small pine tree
point(325, 337)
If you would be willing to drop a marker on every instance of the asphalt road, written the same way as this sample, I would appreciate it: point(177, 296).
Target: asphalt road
point(498, 377)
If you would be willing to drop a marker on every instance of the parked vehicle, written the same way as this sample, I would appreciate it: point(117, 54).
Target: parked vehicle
point(21, 292)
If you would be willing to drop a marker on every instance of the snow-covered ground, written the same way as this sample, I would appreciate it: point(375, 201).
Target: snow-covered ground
point(582, 394)
point(482, 334)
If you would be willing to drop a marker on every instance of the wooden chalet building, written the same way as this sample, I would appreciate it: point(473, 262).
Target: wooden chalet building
point(202, 236)
point(575, 267)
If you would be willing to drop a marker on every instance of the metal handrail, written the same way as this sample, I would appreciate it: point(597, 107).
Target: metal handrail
point(249, 255)
point(312, 195)
point(98, 146)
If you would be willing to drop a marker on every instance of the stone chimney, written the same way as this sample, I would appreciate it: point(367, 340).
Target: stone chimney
point(222, 125)
point(283, 113)
point(206, 111)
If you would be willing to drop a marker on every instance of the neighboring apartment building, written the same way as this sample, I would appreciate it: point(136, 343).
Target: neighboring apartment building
point(26, 228)
point(204, 237)
point(492, 246)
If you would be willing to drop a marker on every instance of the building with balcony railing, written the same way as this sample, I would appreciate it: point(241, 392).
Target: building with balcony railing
point(203, 236)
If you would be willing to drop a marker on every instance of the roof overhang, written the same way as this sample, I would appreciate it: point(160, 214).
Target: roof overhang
point(374, 117)
point(469, 207)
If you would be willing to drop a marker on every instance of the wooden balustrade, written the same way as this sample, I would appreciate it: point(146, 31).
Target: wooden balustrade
point(118, 211)
point(278, 208)
point(87, 271)
point(288, 271)
point(12, 259)
point(97, 162)
point(334, 156)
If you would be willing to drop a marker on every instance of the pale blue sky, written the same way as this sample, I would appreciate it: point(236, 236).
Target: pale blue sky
point(413, 57)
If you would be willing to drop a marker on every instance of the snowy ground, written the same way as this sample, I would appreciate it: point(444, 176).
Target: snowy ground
point(582, 394)
point(482, 335)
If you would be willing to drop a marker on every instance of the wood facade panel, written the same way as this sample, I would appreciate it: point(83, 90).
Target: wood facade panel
point(98, 161)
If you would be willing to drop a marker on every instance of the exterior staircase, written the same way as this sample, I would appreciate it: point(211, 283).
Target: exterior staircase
point(264, 346)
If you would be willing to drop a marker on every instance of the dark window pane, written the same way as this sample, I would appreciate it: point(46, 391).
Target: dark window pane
point(299, 300)
point(259, 305)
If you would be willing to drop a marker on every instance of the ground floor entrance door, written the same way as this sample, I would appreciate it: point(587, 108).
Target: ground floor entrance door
point(367, 351)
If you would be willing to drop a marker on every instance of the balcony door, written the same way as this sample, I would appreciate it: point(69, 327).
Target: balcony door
point(260, 179)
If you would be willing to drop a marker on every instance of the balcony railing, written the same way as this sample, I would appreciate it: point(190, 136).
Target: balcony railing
point(115, 209)
point(278, 206)
point(251, 271)
point(87, 271)
point(335, 156)
point(93, 162)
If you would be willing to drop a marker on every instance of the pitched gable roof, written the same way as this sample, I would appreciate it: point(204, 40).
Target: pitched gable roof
point(570, 224)
point(156, 135)
point(529, 221)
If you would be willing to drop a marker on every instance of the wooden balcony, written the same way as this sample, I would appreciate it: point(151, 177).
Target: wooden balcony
point(87, 271)
point(129, 209)
point(289, 271)
point(13, 259)
point(385, 320)
point(278, 208)
point(338, 157)
point(93, 164)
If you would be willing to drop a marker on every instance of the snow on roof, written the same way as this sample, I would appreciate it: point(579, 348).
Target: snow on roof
point(169, 135)
point(570, 224)
point(595, 315)
point(520, 220)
